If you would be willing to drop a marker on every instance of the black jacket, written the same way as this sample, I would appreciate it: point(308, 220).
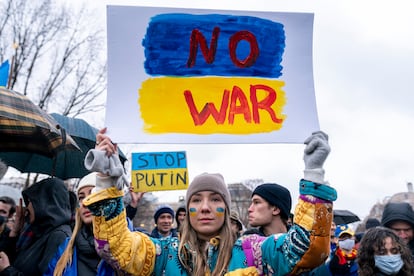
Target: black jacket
point(50, 200)
point(88, 259)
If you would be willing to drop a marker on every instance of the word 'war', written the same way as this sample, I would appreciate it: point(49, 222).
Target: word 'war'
point(236, 102)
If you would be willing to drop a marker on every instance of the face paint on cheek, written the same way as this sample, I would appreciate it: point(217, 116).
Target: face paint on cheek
point(192, 211)
point(220, 211)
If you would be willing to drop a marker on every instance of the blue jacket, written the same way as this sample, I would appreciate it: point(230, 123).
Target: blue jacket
point(72, 269)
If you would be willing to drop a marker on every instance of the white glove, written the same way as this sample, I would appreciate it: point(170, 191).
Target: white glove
point(316, 151)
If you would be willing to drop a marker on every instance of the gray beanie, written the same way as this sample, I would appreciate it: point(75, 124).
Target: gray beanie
point(209, 182)
point(277, 196)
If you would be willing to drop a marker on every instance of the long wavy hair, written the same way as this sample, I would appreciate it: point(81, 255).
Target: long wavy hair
point(66, 257)
point(372, 242)
point(192, 251)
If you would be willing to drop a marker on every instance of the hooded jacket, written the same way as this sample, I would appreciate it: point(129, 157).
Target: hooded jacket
point(399, 211)
point(51, 226)
point(395, 211)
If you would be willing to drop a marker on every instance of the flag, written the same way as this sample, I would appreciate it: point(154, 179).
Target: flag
point(4, 73)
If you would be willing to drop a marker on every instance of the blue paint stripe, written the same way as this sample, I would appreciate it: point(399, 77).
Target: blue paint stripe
point(167, 45)
point(158, 160)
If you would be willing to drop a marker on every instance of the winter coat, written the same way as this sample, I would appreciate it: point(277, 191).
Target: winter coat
point(50, 200)
point(85, 260)
point(156, 234)
point(303, 247)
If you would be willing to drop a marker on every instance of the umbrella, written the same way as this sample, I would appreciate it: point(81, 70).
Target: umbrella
point(68, 164)
point(24, 127)
point(82, 132)
point(344, 217)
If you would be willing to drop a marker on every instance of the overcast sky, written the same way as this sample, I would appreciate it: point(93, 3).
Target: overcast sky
point(363, 73)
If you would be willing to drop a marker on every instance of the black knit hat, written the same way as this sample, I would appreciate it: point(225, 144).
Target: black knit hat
point(371, 223)
point(277, 196)
point(162, 209)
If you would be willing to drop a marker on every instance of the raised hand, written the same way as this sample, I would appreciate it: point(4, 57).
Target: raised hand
point(316, 151)
point(103, 142)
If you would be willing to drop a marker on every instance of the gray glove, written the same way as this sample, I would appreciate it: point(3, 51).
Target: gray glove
point(98, 161)
point(316, 151)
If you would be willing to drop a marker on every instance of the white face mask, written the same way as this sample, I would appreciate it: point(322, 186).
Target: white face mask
point(389, 264)
point(347, 244)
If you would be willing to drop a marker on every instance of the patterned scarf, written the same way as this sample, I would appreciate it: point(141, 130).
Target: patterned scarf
point(343, 257)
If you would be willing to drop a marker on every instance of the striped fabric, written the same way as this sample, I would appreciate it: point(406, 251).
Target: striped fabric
point(24, 127)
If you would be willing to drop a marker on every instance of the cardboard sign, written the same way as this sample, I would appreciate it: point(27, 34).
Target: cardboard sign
point(203, 76)
point(159, 171)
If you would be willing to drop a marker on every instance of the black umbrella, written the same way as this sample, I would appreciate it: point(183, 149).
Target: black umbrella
point(67, 164)
point(344, 217)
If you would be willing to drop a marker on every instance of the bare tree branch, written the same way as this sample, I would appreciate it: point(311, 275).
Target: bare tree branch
point(58, 63)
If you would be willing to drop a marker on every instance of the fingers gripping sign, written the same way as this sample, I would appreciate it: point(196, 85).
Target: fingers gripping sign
point(104, 143)
point(104, 159)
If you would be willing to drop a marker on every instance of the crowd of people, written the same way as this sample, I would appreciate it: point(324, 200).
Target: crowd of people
point(90, 231)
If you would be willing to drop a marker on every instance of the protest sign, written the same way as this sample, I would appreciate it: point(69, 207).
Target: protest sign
point(159, 171)
point(204, 76)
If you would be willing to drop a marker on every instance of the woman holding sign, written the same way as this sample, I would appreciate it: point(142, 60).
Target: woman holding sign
point(207, 245)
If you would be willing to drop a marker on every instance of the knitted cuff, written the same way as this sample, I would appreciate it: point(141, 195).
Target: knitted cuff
point(318, 190)
point(102, 183)
point(315, 175)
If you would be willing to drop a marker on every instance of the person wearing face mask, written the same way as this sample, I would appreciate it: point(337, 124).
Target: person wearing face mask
point(7, 210)
point(382, 252)
point(343, 260)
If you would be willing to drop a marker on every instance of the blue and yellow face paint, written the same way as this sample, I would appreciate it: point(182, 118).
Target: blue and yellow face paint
point(220, 211)
point(192, 212)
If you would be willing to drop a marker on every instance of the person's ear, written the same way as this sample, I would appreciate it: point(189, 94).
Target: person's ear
point(276, 211)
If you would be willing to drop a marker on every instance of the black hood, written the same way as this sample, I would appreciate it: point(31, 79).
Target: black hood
point(394, 211)
point(50, 200)
point(181, 208)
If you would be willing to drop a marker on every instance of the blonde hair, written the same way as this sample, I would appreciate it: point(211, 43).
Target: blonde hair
point(66, 258)
point(193, 255)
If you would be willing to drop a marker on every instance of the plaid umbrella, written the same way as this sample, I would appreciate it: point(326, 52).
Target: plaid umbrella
point(66, 164)
point(24, 127)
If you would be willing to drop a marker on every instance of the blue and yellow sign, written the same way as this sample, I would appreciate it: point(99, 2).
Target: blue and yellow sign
point(202, 76)
point(159, 171)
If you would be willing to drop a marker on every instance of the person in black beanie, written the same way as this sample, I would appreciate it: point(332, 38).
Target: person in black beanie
point(164, 219)
point(270, 209)
point(371, 223)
